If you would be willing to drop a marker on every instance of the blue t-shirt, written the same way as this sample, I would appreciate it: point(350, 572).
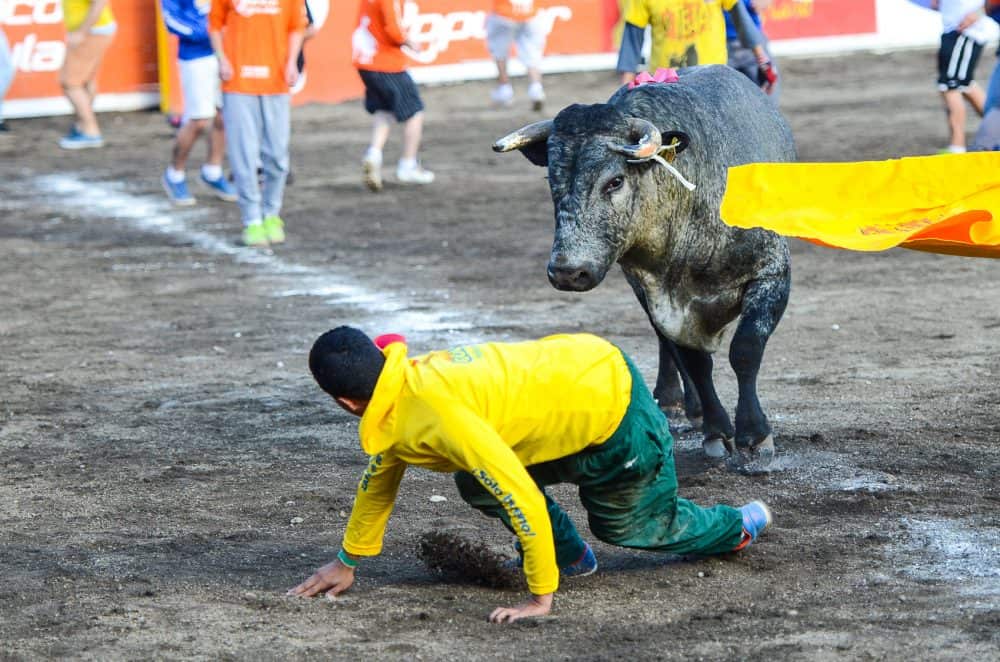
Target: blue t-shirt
point(731, 33)
point(188, 19)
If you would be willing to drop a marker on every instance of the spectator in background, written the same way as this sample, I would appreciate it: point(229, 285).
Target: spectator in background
point(390, 93)
point(258, 49)
point(988, 136)
point(199, 74)
point(742, 58)
point(311, 31)
point(515, 22)
point(965, 29)
point(7, 69)
point(90, 29)
point(705, 43)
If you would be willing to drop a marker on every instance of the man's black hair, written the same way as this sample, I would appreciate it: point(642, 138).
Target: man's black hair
point(346, 363)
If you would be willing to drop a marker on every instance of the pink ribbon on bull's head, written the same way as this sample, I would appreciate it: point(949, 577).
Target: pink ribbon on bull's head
point(387, 339)
point(661, 75)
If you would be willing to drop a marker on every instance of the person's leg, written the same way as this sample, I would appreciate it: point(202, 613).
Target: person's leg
point(954, 108)
point(499, 37)
point(184, 142)
point(569, 545)
point(7, 70)
point(976, 98)
point(276, 109)
point(242, 116)
point(217, 142)
point(412, 133)
point(530, 37)
point(629, 488)
point(78, 78)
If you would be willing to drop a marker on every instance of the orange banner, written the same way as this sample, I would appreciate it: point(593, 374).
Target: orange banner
point(36, 34)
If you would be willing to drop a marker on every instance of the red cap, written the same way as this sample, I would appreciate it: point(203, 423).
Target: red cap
point(387, 339)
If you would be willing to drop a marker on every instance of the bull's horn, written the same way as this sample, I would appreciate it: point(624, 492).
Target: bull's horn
point(648, 144)
point(533, 133)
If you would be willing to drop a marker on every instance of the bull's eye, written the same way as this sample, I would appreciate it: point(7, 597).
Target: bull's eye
point(613, 184)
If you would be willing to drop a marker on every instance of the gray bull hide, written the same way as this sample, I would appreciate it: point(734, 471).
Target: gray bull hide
point(616, 172)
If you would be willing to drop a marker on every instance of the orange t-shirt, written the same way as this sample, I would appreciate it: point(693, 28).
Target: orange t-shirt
point(255, 37)
point(515, 10)
point(377, 41)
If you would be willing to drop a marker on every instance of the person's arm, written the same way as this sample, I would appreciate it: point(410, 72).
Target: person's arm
point(216, 21)
point(295, 40)
point(392, 11)
point(469, 442)
point(751, 38)
point(75, 37)
point(971, 18)
point(373, 503)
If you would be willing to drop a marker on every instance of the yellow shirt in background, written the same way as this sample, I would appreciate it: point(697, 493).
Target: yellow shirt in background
point(683, 32)
point(75, 11)
point(492, 410)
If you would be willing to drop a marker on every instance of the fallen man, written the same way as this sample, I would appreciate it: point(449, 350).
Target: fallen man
point(510, 419)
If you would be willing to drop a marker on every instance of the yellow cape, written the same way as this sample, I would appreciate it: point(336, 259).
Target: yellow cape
point(941, 204)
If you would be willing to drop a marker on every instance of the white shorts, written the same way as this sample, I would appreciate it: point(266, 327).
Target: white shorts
point(529, 36)
point(201, 87)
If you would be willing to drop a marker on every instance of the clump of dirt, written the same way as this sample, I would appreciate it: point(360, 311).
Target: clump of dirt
point(457, 558)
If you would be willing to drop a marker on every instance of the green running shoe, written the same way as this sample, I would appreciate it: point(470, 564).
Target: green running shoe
point(255, 235)
point(274, 228)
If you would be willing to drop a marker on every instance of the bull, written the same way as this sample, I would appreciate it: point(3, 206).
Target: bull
point(619, 176)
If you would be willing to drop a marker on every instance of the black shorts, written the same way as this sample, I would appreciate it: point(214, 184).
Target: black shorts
point(392, 92)
point(957, 61)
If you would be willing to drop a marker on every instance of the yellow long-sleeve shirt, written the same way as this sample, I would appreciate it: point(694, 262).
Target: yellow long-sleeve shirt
point(492, 410)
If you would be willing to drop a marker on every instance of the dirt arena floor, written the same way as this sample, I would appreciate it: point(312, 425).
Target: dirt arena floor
point(169, 468)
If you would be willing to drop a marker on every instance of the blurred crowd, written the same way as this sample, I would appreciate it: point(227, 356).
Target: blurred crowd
point(237, 62)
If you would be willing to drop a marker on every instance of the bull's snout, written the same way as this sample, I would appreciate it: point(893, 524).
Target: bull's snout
point(573, 277)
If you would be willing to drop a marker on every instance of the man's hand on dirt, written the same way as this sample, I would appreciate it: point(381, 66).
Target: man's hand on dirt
point(333, 578)
point(538, 605)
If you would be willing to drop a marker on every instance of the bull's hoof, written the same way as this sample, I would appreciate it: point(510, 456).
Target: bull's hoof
point(676, 418)
point(695, 422)
point(717, 448)
point(755, 458)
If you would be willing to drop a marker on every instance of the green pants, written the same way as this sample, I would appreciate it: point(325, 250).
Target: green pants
point(629, 488)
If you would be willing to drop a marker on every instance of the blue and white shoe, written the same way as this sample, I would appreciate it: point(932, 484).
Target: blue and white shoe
point(77, 140)
point(756, 518)
point(177, 191)
point(220, 188)
point(585, 565)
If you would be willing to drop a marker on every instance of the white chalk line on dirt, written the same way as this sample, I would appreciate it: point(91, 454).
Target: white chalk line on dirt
point(103, 201)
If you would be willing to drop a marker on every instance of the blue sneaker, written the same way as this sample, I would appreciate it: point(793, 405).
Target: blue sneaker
point(756, 518)
point(585, 565)
point(77, 140)
point(177, 191)
point(220, 188)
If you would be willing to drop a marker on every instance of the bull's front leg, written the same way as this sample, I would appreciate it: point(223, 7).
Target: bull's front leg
point(675, 401)
point(763, 305)
point(716, 426)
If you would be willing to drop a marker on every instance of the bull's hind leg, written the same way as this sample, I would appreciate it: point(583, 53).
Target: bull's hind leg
point(763, 304)
point(675, 401)
point(716, 426)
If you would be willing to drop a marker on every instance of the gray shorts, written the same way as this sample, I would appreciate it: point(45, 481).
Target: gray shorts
point(529, 36)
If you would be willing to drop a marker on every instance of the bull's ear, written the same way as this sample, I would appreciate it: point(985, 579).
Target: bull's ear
point(537, 153)
point(678, 140)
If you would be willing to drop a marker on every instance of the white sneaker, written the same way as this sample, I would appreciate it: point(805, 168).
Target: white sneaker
point(503, 95)
point(537, 95)
point(414, 175)
point(371, 172)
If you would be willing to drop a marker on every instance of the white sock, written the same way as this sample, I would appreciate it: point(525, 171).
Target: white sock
point(252, 221)
point(212, 173)
point(407, 164)
point(175, 176)
point(373, 154)
point(956, 149)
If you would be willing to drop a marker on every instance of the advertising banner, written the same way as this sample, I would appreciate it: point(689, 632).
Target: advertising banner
point(797, 19)
point(35, 31)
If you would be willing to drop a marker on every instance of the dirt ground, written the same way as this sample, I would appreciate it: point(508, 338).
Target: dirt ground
point(169, 468)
